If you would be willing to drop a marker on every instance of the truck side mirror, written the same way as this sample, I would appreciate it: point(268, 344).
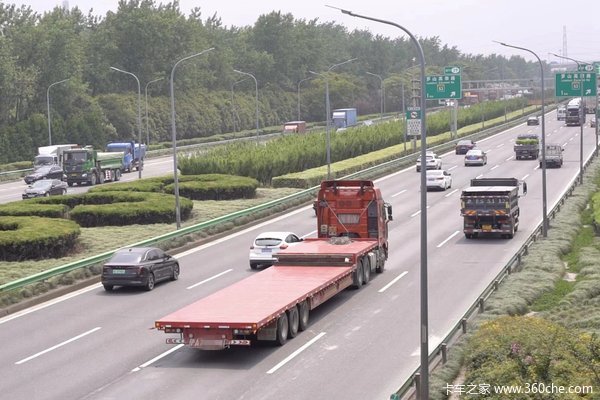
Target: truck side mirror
point(524, 188)
point(388, 210)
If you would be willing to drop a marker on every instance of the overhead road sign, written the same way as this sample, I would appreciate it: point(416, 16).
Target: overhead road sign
point(443, 87)
point(571, 84)
point(452, 70)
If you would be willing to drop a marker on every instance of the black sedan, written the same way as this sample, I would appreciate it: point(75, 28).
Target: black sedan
point(139, 266)
point(44, 188)
point(45, 172)
point(463, 146)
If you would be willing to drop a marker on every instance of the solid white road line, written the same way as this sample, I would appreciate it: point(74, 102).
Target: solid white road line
point(449, 237)
point(399, 193)
point(396, 279)
point(58, 345)
point(158, 357)
point(209, 279)
point(451, 193)
point(295, 353)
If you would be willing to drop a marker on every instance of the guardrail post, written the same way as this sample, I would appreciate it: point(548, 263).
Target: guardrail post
point(444, 353)
point(481, 301)
point(509, 268)
point(463, 323)
point(417, 379)
point(526, 250)
point(496, 283)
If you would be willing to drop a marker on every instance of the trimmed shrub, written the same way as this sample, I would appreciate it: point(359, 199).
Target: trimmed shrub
point(33, 208)
point(35, 237)
point(215, 187)
point(140, 185)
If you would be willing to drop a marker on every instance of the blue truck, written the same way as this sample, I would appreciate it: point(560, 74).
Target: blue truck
point(133, 154)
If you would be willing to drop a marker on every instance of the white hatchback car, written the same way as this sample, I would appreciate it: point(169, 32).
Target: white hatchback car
point(439, 179)
point(267, 245)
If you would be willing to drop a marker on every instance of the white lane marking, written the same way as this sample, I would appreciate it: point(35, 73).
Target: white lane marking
point(500, 145)
point(509, 158)
point(565, 143)
point(489, 151)
point(396, 279)
point(209, 279)
point(158, 357)
point(494, 167)
point(449, 237)
point(242, 232)
point(58, 345)
point(451, 168)
point(295, 353)
point(451, 193)
point(479, 176)
point(417, 213)
point(536, 167)
point(308, 234)
point(525, 177)
point(572, 138)
point(399, 193)
point(49, 303)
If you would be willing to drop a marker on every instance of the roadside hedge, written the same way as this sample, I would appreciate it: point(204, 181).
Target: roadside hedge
point(33, 208)
point(36, 237)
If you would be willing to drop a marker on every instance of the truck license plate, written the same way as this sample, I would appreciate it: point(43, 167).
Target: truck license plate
point(487, 227)
point(118, 271)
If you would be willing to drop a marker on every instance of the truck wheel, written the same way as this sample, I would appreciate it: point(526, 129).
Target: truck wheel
point(117, 175)
point(282, 329)
point(93, 180)
point(108, 288)
point(366, 263)
point(357, 276)
point(70, 183)
point(101, 177)
point(150, 283)
point(469, 235)
point(293, 321)
point(380, 263)
point(304, 315)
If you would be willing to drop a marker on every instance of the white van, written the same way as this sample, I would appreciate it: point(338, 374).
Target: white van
point(561, 113)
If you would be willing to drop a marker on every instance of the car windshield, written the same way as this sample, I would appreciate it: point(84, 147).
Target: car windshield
point(265, 241)
point(42, 184)
point(126, 257)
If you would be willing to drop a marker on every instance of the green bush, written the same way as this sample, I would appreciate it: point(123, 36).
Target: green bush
point(215, 187)
point(34, 208)
point(35, 237)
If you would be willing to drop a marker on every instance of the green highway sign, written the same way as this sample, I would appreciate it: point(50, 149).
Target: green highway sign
point(597, 66)
point(585, 68)
point(442, 87)
point(451, 70)
point(573, 84)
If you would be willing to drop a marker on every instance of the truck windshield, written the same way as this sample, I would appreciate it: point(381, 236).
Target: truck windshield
point(76, 156)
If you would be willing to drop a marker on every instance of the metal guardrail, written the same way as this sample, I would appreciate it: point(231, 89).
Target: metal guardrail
point(88, 262)
point(438, 354)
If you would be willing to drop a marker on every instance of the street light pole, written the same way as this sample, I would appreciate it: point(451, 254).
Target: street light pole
point(256, 86)
point(424, 331)
point(48, 104)
point(233, 112)
point(146, 92)
point(299, 82)
point(545, 224)
point(328, 112)
point(139, 120)
point(174, 138)
point(382, 93)
point(581, 115)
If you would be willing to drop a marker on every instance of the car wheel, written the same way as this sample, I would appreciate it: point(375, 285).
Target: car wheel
point(47, 194)
point(175, 274)
point(150, 282)
point(253, 266)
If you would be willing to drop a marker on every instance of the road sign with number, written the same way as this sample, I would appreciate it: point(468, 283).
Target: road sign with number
point(451, 70)
point(443, 87)
point(413, 121)
point(571, 84)
point(585, 68)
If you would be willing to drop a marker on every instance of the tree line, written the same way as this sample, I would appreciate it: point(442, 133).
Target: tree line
point(97, 104)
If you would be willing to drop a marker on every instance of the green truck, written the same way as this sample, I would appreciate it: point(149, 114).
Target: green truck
point(87, 166)
point(527, 145)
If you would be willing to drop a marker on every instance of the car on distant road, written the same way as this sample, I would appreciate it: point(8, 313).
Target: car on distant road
point(463, 146)
point(45, 172)
point(432, 161)
point(439, 179)
point(266, 245)
point(45, 188)
point(475, 157)
point(533, 120)
point(139, 266)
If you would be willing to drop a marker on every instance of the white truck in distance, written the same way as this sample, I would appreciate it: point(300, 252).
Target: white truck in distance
point(49, 155)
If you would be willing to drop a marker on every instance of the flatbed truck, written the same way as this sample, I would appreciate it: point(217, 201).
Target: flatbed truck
point(491, 206)
point(275, 304)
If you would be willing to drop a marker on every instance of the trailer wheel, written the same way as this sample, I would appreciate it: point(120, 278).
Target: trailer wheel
point(293, 321)
point(366, 262)
point(357, 276)
point(282, 329)
point(304, 312)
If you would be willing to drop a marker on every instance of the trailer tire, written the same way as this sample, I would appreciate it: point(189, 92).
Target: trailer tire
point(150, 283)
point(357, 276)
point(282, 329)
point(366, 262)
point(304, 314)
point(293, 321)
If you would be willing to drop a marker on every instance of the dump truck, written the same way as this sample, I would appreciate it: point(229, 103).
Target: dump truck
point(275, 303)
point(133, 154)
point(527, 145)
point(575, 112)
point(85, 165)
point(553, 156)
point(491, 206)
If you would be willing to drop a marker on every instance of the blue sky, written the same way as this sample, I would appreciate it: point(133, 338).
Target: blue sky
point(470, 25)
